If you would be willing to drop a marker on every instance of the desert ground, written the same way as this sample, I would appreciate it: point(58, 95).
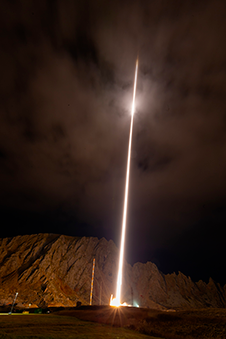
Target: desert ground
point(123, 322)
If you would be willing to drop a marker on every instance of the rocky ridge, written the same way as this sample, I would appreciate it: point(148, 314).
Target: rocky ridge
point(54, 270)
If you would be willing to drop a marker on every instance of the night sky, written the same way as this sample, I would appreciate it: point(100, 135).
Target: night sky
point(66, 77)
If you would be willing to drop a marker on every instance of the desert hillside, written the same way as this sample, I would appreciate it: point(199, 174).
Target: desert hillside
point(50, 269)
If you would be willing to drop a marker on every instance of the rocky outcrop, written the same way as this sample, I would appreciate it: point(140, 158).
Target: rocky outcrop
point(54, 270)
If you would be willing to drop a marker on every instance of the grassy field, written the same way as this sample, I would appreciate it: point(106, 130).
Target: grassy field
point(190, 324)
point(124, 322)
point(59, 327)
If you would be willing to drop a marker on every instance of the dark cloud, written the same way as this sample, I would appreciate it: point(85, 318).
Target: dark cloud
point(67, 70)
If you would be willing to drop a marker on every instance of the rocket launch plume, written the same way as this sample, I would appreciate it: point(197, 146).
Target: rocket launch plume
point(117, 301)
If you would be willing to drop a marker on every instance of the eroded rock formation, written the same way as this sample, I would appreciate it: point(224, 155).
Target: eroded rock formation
point(50, 269)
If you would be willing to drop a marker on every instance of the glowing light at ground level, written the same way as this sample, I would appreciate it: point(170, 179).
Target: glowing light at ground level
point(117, 301)
point(113, 302)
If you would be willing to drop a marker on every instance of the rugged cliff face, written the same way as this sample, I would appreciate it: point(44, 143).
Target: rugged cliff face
point(50, 269)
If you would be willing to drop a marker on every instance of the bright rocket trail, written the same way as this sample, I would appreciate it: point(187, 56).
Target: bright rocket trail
point(116, 301)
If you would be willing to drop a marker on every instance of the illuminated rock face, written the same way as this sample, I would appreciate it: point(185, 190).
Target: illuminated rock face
point(50, 269)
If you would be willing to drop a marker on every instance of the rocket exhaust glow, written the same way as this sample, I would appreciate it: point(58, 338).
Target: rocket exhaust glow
point(117, 301)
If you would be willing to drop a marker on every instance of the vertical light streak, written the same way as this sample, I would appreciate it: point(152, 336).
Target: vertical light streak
point(117, 300)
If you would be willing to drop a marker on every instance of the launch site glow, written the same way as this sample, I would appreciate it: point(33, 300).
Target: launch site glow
point(117, 300)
